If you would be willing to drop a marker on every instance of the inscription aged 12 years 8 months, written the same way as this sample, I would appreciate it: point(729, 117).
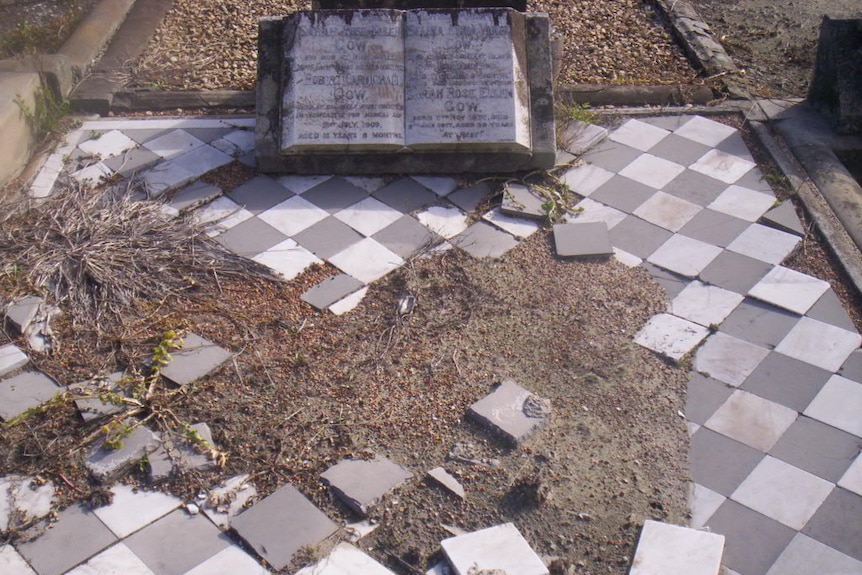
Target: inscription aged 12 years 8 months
point(390, 80)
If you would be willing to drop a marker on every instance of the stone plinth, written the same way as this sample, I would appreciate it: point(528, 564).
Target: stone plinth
point(393, 91)
point(836, 88)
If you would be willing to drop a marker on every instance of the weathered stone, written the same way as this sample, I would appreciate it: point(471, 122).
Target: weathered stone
point(836, 88)
point(360, 484)
point(346, 559)
point(197, 358)
point(181, 453)
point(520, 200)
point(90, 406)
point(583, 239)
point(512, 411)
point(577, 137)
point(105, 463)
point(22, 312)
point(11, 358)
point(444, 478)
point(500, 549)
point(22, 499)
point(665, 549)
point(25, 390)
point(488, 106)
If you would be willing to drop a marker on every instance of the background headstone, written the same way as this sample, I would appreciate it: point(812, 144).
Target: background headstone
point(836, 88)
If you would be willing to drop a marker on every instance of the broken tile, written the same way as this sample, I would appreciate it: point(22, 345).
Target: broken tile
point(345, 559)
point(440, 185)
point(789, 289)
point(512, 411)
point(177, 452)
point(348, 303)
point(132, 161)
point(359, 529)
point(520, 201)
point(587, 239)
point(194, 195)
point(665, 549)
point(482, 240)
point(22, 500)
point(107, 145)
point(670, 336)
point(360, 484)
point(784, 217)
point(194, 360)
point(223, 212)
point(444, 478)
point(22, 311)
point(331, 290)
point(518, 227)
point(281, 524)
point(445, 221)
point(228, 499)
point(90, 405)
point(105, 463)
point(499, 549)
point(132, 508)
point(577, 137)
point(11, 358)
point(25, 390)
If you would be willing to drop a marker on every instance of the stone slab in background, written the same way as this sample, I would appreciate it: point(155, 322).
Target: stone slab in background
point(22, 312)
point(499, 549)
point(360, 484)
point(512, 411)
point(445, 479)
point(665, 549)
point(836, 88)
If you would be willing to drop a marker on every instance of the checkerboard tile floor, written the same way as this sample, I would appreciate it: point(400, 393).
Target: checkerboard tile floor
point(775, 398)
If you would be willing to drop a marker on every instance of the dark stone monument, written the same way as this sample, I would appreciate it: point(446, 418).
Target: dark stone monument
point(836, 89)
point(394, 91)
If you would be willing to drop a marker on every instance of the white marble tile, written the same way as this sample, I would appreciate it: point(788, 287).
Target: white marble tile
point(751, 420)
point(652, 171)
point(173, 144)
point(368, 216)
point(704, 304)
point(819, 344)
point(116, 560)
point(627, 259)
point(518, 227)
point(721, 166)
point(684, 256)
point(293, 215)
point(222, 211)
point(131, 510)
point(287, 258)
point(783, 492)
point(241, 140)
point(728, 359)
point(705, 131)
point(229, 561)
point(765, 244)
point(593, 211)
point(107, 145)
point(852, 478)
point(665, 549)
point(301, 184)
point(11, 563)
point(667, 211)
point(348, 303)
point(496, 549)
point(440, 185)
point(586, 179)
point(807, 556)
point(670, 336)
point(447, 222)
point(165, 176)
point(345, 559)
point(839, 404)
point(43, 185)
point(11, 358)
point(742, 203)
point(366, 260)
point(703, 503)
point(93, 175)
point(789, 289)
point(638, 135)
point(202, 160)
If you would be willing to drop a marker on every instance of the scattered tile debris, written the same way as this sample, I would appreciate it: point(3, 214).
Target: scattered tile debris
point(665, 549)
point(182, 453)
point(22, 312)
point(31, 318)
point(468, 453)
point(444, 478)
point(105, 463)
point(513, 411)
point(519, 200)
point(281, 524)
point(93, 402)
point(22, 500)
point(24, 391)
point(197, 358)
point(359, 529)
point(360, 484)
point(11, 358)
point(224, 502)
point(578, 137)
point(346, 559)
point(582, 239)
point(499, 549)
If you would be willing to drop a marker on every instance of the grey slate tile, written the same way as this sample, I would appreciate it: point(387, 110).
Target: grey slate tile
point(361, 484)
point(75, 537)
point(145, 135)
point(177, 542)
point(468, 199)
point(837, 523)
point(667, 122)
point(852, 368)
point(817, 448)
point(331, 290)
point(786, 380)
point(759, 323)
point(704, 396)
point(735, 144)
point(327, 237)
point(92, 407)
point(251, 237)
point(405, 237)
point(405, 195)
point(23, 391)
point(194, 195)
point(829, 309)
point(695, 187)
point(670, 282)
point(752, 541)
point(586, 239)
point(482, 240)
point(107, 463)
point(714, 228)
point(611, 156)
point(259, 194)
point(11, 358)
point(734, 272)
point(520, 201)
point(197, 358)
point(512, 411)
point(577, 137)
point(281, 524)
point(638, 237)
point(678, 149)
point(132, 161)
point(623, 194)
point(209, 134)
point(335, 194)
point(784, 218)
point(720, 463)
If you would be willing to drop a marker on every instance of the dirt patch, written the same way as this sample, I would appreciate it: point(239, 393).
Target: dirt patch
point(774, 42)
point(41, 26)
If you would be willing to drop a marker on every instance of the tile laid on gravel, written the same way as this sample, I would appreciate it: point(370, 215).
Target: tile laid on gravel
point(327, 237)
point(705, 131)
point(721, 166)
point(638, 237)
point(829, 309)
point(360, 484)
point(440, 185)
point(331, 290)
point(836, 523)
point(468, 199)
point(520, 201)
point(287, 259)
point(753, 541)
point(638, 135)
point(482, 240)
point(368, 216)
point(105, 463)
point(23, 391)
point(759, 323)
point(733, 271)
point(585, 179)
point(406, 195)
point(500, 548)
point(586, 239)
point(90, 406)
point(653, 171)
point(281, 524)
point(22, 311)
point(194, 360)
point(514, 412)
point(11, 358)
point(852, 478)
point(519, 227)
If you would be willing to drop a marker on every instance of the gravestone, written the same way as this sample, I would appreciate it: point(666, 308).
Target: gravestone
point(394, 91)
point(836, 88)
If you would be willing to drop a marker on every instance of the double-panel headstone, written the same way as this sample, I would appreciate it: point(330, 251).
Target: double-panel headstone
point(365, 91)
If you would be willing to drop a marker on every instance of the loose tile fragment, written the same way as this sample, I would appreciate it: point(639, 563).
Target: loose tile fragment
point(281, 524)
point(582, 239)
point(577, 137)
point(444, 478)
point(105, 463)
point(346, 559)
point(482, 240)
point(24, 391)
point(665, 549)
point(11, 358)
point(331, 290)
point(360, 484)
point(92, 398)
point(194, 360)
point(520, 201)
point(348, 303)
point(22, 312)
point(182, 453)
point(22, 499)
point(518, 227)
point(228, 499)
point(670, 336)
point(499, 549)
point(512, 411)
